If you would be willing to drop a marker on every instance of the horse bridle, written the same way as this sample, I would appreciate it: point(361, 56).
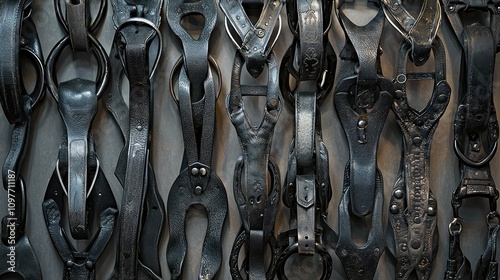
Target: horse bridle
point(256, 182)
point(142, 214)
point(413, 206)
point(77, 183)
point(197, 183)
point(307, 186)
point(20, 40)
point(476, 133)
point(362, 100)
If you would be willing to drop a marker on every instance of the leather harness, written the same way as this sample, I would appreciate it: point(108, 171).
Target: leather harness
point(307, 186)
point(362, 100)
point(21, 39)
point(476, 133)
point(142, 210)
point(413, 207)
point(197, 183)
point(78, 185)
point(256, 182)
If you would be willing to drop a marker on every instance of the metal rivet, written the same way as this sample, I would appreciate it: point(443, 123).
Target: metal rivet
point(362, 123)
point(139, 128)
point(398, 193)
point(260, 32)
point(344, 252)
point(203, 171)
point(417, 140)
point(70, 264)
point(79, 229)
point(273, 103)
point(195, 171)
point(89, 265)
point(251, 201)
point(198, 190)
point(418, 122)
point(451, 8)
point(431, 211)
point(403, 247)
point(395, 6)
point(415, 244)
point(399, 94)
point(417, 220)
point(475, 147)
point(376, 251)
point(442, 98)
point(394, 209)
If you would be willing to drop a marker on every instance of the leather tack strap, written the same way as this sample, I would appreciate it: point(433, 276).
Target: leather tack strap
point(78, 16)
point(197, 184)
point(255, 46)
point(257, 196)
point(413, 206)
point(142, 209)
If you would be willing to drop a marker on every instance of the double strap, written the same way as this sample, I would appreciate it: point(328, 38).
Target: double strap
point(142, 210)
point(197, 183)
point(254, 46)
point(420, 31)
point(256, 194)
point(413, 206)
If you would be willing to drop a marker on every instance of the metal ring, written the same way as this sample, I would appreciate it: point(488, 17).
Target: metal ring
point(39, 91)
point(176, 68)
point(294, 249)
point(93, 26)
point(100, 54)
point(454, 222)
point(469, 162)
point(401, 78)
point(160, 42)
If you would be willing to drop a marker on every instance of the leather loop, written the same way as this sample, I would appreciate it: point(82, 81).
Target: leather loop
point(78, 17)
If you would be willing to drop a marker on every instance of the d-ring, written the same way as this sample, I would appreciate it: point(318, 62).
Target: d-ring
point(160, 42)
point(39, 91)
point(176, 68)
point(469, 162)
point(100, 54)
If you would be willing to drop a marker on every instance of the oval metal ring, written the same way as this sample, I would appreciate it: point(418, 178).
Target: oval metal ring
point(469, 162)
point(160, 42)
point(239, 47)
point(456, 221)
point(93, 26)
point(39, 91)
point(401, 78)
point(177, 67)
point(294, 249)
point(99, 52)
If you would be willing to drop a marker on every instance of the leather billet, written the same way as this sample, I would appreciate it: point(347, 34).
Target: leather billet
point(197, 183)
point(475, 135)
point(143, 213)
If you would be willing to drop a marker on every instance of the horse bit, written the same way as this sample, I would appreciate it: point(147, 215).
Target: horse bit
point(256, 184)
point(142, 212)
point(197, 183)
point(307, 185)
point(476, 133)
point(17, 255)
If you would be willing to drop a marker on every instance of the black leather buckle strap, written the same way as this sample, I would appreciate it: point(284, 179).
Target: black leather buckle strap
point(307, 187)
point(254, 46)
point(16, 253)
point(476, 134)
point(197, 182)
point(420, 31)
point(142, 209)
point(20, 39)
point(413, 206)
point(362, 99)
point(256, 194)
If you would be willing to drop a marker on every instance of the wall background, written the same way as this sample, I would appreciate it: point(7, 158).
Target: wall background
point(167, 146)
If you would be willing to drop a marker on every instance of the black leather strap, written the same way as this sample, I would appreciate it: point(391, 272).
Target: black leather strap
point(307, 192)
point(413, 206)
point(255, 46)
point(476, 134)
point(17, 257)
point(256, 195)
point(197, 182)
point(142, 209)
